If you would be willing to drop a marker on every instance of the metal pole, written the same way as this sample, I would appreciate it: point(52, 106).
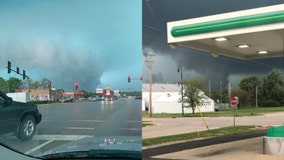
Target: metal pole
point(256, 89)
point(181, 90)
point(150, 77)
point(221, 91)
point(209, 90)
point(234, 116)
point(229, 93)
point(150, 94)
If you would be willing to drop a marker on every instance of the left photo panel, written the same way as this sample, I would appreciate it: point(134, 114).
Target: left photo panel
point(70, 79)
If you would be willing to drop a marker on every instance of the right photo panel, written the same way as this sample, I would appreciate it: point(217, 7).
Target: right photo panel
point(213, 79)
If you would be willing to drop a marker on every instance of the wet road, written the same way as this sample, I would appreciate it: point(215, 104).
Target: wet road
point(63, 123)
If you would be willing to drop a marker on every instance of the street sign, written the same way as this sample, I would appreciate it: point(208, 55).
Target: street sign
point(234, 102)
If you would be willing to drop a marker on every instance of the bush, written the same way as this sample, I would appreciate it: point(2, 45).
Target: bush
point(271, 103)
point(39, 102)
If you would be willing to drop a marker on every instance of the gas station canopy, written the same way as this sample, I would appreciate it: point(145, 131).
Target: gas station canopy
point(247, 34)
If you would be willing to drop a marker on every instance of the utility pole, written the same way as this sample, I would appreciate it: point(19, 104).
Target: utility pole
point(221, 91)
point(256, 90)
point(181, 83)
point(229, 92)
point(209, 90)
point(150, 62)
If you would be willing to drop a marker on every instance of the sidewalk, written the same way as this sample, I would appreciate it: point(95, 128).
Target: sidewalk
point(173, 126)
point(238, 150)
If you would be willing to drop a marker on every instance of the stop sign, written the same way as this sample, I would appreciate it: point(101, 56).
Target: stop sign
point(234, 101)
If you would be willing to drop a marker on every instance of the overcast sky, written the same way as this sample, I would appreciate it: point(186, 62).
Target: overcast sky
point(92, 42)
point(156, 14)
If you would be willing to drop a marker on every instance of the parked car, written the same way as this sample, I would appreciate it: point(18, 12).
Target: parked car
point(66, 99)
point(93, 99)
point(138, 97)
point(108, 98)
point(115, 97)
point(17, 117)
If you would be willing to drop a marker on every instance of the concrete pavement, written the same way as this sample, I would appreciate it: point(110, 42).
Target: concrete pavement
point(173, 126)
point(237, 150)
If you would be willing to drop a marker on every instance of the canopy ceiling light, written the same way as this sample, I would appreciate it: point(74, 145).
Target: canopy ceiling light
point(220, 39)
point(262, 52)
point(243, 46)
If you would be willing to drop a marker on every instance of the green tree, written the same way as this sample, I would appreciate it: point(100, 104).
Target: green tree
point(34, 84)
point(273, 87)
point(43, 83)
point(14, 84)
point(250, 85)
point(3, 85)
point(193, 93)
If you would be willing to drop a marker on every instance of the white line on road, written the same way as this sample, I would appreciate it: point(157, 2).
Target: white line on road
point(83, 128)
point(83, 120)
point(38, 147)
point(51, 138)
point(133, 121)
point(59, 137)
point(132, 129)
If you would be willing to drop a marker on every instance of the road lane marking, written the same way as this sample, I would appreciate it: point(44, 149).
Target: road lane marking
point(94, 121)
point(52, 138)
point(132, 129)
point(59, 137)
point(133, 121)
point(38, 147)
point(83, 128)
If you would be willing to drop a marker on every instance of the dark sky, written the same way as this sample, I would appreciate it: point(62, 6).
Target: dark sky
point(94, 43)
point(156, 14)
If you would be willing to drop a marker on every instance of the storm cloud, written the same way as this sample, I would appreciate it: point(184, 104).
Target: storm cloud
point(94, 43)
point(195, 63)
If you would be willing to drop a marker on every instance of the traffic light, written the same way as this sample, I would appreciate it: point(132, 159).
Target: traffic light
point(140, 78)
point(76, 85)
point(128, 78)
point(9, 67)
point(24, 74)
point(18, 70)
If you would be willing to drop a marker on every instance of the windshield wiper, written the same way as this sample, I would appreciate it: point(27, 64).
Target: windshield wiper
point(95, 154)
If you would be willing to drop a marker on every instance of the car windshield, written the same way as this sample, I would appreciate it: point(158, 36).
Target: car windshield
point(57, 54)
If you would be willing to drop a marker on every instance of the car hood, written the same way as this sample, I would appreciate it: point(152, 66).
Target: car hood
point(123, 143)
point(23, 104)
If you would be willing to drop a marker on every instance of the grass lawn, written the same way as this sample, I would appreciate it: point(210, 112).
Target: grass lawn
point(202, 134)
point(228, 113)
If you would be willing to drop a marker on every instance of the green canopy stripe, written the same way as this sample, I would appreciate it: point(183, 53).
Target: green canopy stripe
point(226, 24)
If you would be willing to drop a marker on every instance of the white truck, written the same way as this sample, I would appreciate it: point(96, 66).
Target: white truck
point(19, 96)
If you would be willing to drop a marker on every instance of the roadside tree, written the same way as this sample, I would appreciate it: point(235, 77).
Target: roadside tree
point(13, 84)
point(3, 85)
point(251, 85)
point(193, 93)
point(273, 88)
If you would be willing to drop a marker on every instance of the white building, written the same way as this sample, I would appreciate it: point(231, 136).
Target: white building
point(166, 99)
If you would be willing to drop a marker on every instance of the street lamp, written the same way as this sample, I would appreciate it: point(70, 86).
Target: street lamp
point(180, 70)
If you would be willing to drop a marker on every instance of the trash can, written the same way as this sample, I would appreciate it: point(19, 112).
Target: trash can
point(273, 143)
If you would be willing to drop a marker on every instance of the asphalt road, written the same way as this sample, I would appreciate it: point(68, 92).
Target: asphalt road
point(155, 152)
point(62, 123)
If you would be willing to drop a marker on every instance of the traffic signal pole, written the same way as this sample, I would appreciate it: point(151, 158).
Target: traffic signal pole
point(9, 67)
